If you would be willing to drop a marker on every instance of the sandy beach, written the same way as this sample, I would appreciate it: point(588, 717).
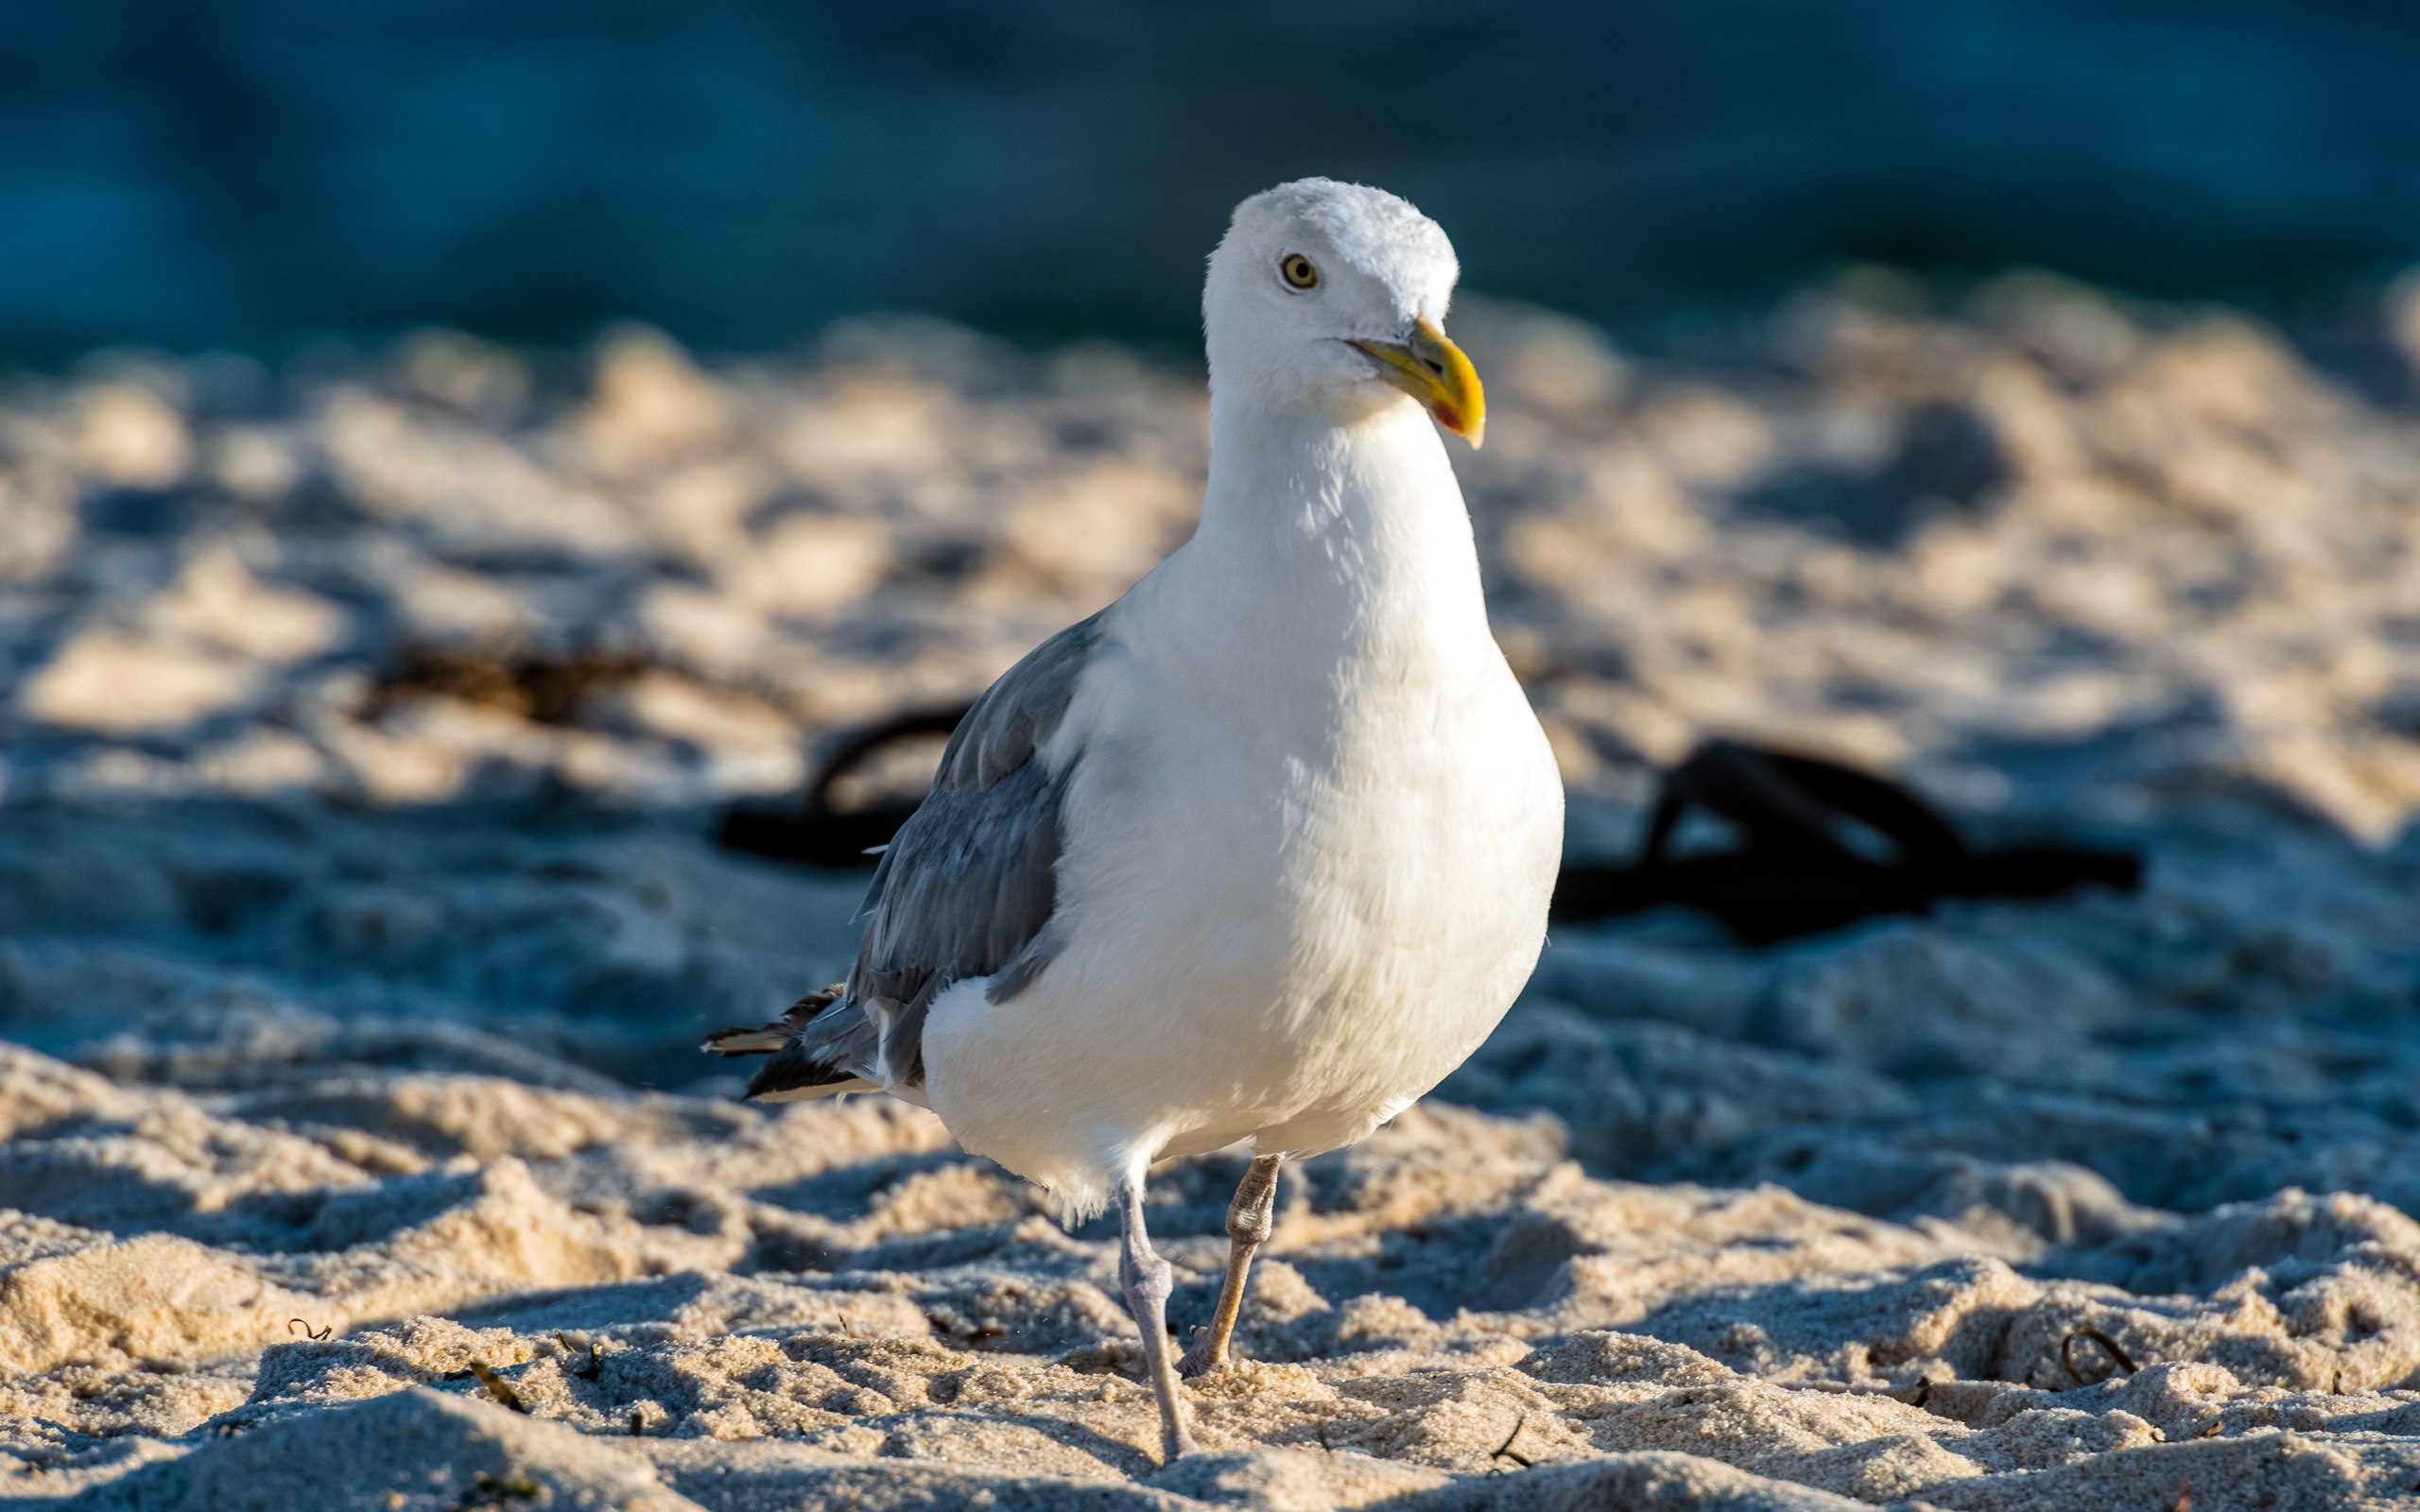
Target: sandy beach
point(365, 729)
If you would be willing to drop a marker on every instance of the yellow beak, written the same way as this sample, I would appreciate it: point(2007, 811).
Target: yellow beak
point(1433, 370)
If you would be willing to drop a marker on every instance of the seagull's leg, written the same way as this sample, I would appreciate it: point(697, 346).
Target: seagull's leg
point(1147, 1280)
point(1249, 1219)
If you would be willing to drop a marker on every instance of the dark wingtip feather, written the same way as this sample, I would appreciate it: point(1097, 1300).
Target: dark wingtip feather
point(794, 1070)
point(747, 1041)
point(772, 1037)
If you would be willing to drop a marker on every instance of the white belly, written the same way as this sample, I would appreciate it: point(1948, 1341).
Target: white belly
point(1288, 920)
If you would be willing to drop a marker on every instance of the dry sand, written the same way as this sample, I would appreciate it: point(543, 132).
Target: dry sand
point(350, 1087)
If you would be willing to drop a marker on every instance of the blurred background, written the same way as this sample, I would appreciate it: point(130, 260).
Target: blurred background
point(454, 455)
point(257, 173)
point(458, 456)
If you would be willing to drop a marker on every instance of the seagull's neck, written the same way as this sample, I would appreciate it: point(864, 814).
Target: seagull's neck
point(1361, 524)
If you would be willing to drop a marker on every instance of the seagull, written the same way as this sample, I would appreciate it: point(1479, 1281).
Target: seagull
point(1263, 849)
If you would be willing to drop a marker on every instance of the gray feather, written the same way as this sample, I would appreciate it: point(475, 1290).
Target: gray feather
point(1018, 715)
point(966, 889)
point(969, 884)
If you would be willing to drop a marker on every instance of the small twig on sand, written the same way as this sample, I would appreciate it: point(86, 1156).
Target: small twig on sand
point(1504, 1449)
point(321, 1336)
point(498, 1388)
point(587, 1371)
point(2123, 1363)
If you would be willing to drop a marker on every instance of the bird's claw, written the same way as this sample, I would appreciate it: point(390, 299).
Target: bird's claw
point(1200, 1360)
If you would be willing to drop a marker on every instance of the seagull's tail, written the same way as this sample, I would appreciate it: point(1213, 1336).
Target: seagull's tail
point(815, 1047)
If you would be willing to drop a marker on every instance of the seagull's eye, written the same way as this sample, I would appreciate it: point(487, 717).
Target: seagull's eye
point(1298, 271)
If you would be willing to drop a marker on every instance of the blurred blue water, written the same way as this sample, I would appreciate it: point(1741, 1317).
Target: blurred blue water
point(248, 172)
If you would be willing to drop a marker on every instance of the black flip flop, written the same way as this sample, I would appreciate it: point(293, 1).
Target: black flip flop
point(1793, 872)
point(816, 834)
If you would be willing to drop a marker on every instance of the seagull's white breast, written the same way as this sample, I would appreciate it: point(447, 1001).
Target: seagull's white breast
point(1310, 832)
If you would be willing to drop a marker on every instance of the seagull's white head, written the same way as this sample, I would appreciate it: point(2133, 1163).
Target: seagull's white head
point(1331, 298)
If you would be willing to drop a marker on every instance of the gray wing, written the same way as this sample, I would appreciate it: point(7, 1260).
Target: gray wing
point(965, 889)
